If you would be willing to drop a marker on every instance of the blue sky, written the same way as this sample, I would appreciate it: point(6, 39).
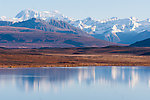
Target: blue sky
point(99, 9)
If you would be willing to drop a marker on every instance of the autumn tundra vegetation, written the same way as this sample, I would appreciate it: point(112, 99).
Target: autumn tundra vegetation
point(72, 57)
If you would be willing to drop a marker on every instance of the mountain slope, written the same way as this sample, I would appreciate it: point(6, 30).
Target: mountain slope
point(5, 23)
point(142, 36)
point(113, 29)
point(143, 43)
point(50, 26)
point(21, 37)
point(130, 38)
point(67, 26)
point(108, 29)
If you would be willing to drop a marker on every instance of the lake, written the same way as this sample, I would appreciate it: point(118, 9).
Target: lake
point(78, 83)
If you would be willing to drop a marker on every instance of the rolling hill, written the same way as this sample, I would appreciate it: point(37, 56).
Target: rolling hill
point(143, 43)
point(22, 37)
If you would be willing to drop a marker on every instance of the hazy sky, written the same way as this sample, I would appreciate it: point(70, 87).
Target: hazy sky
point(99, 9)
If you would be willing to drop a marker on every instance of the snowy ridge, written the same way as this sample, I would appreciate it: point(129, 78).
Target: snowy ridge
point(109, 28)
point(104, 29)
point(44, 15)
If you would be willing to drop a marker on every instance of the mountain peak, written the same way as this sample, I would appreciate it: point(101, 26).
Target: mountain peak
point(133, 18)
point(3, 18)
point(88, 18)
point(44, 15)
point(27, 14)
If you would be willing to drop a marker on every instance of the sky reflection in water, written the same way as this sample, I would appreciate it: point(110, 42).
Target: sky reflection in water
point(87, 83)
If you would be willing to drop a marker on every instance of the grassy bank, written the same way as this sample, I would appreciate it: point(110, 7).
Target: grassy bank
point(72, 57)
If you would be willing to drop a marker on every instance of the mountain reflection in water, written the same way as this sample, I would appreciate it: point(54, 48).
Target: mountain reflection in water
point(57, 79)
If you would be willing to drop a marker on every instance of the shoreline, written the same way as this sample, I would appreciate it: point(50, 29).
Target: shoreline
point(74, 67)
point(74, 57)
point(74, 61)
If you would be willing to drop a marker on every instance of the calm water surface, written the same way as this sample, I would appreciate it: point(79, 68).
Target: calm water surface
point(81, 83)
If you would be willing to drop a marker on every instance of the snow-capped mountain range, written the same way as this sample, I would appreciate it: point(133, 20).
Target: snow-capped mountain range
point(44, 15)
point(113, 29)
